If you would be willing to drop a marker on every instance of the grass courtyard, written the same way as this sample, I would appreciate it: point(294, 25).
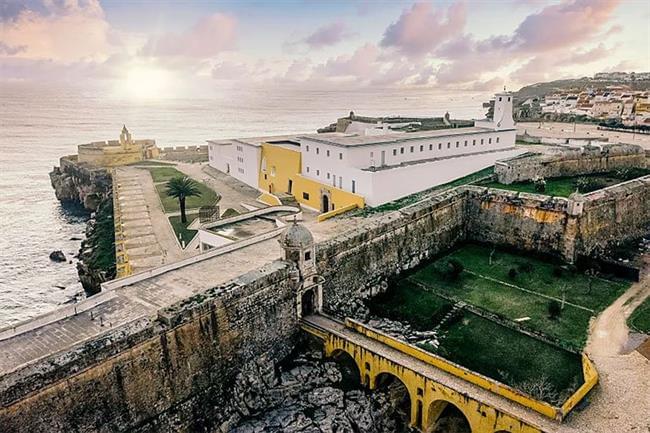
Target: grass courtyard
point(163, 174)
point(526, 294)
point(515, 287)
point(639, 320)
point(564, 186)
point(181, 230)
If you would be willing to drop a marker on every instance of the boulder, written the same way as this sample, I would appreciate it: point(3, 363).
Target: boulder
point(58, 256)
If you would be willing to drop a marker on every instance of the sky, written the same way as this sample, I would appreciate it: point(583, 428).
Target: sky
point(160, 47)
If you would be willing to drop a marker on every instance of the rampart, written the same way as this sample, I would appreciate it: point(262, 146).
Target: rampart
point(175, 371)
point(185, 153)
point(169, 374)
point(571, 162)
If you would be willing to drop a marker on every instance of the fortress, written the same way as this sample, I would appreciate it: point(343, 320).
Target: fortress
point(114, 153)
point(169, 364)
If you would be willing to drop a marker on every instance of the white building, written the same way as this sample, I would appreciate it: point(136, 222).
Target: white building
point(384, 167)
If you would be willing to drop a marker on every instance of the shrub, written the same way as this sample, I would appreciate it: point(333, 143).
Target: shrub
point(454, 268)
point(540, 185)
point(588, 184)
point(558, 272)
point(512, 273)
point(554, 309)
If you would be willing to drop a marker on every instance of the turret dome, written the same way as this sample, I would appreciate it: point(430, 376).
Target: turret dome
point(296, 236)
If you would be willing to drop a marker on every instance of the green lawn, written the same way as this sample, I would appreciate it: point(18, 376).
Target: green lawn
point(170, 204)
point(511, 357)
point(506, 355)
point(532, 274)
point(640, 318)
point(181, 230)
point(163, 174)
point(564, 186)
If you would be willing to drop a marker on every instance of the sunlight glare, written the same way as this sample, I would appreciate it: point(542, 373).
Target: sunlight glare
point(146, 83)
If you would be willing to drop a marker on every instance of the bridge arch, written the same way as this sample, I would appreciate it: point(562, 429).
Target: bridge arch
point(443, 415)
point(349, 366)
point(406, 404)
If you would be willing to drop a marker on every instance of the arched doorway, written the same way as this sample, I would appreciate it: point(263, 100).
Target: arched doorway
point(445, 417)
point(349, 370)
point(308, 303)
point(325, 203)
point(398, 396)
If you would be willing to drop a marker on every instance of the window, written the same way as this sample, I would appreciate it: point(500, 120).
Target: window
point(340, 156)
point(448, 144)
point(305, 196)
point(508, 98)
point(240, 148)
point(307, 148)
point(490, 140)
point(401, 150)
point(412, 149)
point(340, 181)
point(457, 144)
point(421, 148)
point(307, 169)
point(394, 152)
point(328, 175)
point(307, 255)
point(327, 152)
point(481, 141)
point(354, 186)
point(317, 151)
point(499, 98)
point(431, 147)
point(241, 170)
point(439, 146)
point(497, 139)
point(473, 142)
point(317, 172)
point(465, 143)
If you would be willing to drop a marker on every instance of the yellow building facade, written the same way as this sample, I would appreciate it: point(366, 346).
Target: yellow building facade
point(280, 173)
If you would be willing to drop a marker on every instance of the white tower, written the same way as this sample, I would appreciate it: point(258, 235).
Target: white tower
point(502, 118)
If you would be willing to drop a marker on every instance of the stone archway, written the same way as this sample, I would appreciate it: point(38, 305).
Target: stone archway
point(308, 303)
point(446, 417)
point(398, 394)
point(351, 373)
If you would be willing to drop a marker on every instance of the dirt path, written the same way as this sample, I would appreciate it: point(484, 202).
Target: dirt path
point(621, 403)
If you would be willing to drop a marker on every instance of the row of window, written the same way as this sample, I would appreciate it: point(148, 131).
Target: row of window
point(240, 148)
point(327, 152)
point(402, 150)
point(332, 177)
point(240, 159)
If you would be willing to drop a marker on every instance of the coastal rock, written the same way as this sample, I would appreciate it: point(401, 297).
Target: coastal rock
point(58, 256)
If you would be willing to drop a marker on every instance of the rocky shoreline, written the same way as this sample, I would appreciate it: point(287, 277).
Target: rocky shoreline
point(76, 184)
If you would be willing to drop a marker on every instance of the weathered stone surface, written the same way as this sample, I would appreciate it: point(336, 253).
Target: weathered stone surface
point(57, 256)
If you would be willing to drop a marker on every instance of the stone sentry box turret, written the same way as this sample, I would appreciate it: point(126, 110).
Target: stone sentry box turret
point(298, 244)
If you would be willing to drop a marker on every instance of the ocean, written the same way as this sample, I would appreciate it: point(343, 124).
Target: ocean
point(40, 123)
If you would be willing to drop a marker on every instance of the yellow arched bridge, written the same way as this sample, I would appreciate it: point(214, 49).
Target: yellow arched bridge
point(434, 383)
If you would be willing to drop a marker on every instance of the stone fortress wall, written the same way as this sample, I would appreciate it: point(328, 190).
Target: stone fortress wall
point(176, 371)
point(171, 374)
point(185, 153)
point(571, 162)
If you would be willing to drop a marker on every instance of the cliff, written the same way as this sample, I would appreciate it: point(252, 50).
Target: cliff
point(74, 182)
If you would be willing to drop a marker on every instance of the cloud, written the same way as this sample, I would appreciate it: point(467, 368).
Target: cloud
point(359, 64)
point(60, 30)
point(11, 50)
point(208, 37)
point(420, 29)
point(329, 34)
point(566, 23)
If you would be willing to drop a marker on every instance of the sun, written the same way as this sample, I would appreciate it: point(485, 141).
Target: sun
point(146, 83)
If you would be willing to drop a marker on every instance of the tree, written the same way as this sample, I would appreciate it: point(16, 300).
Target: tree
point(454, 268)
point(181, 188)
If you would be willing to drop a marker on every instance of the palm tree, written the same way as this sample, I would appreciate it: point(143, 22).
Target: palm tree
point(181, 188)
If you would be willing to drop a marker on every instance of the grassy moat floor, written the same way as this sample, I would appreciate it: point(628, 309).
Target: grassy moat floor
point(639, 321)
point(516, 288)
point(564, 186)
